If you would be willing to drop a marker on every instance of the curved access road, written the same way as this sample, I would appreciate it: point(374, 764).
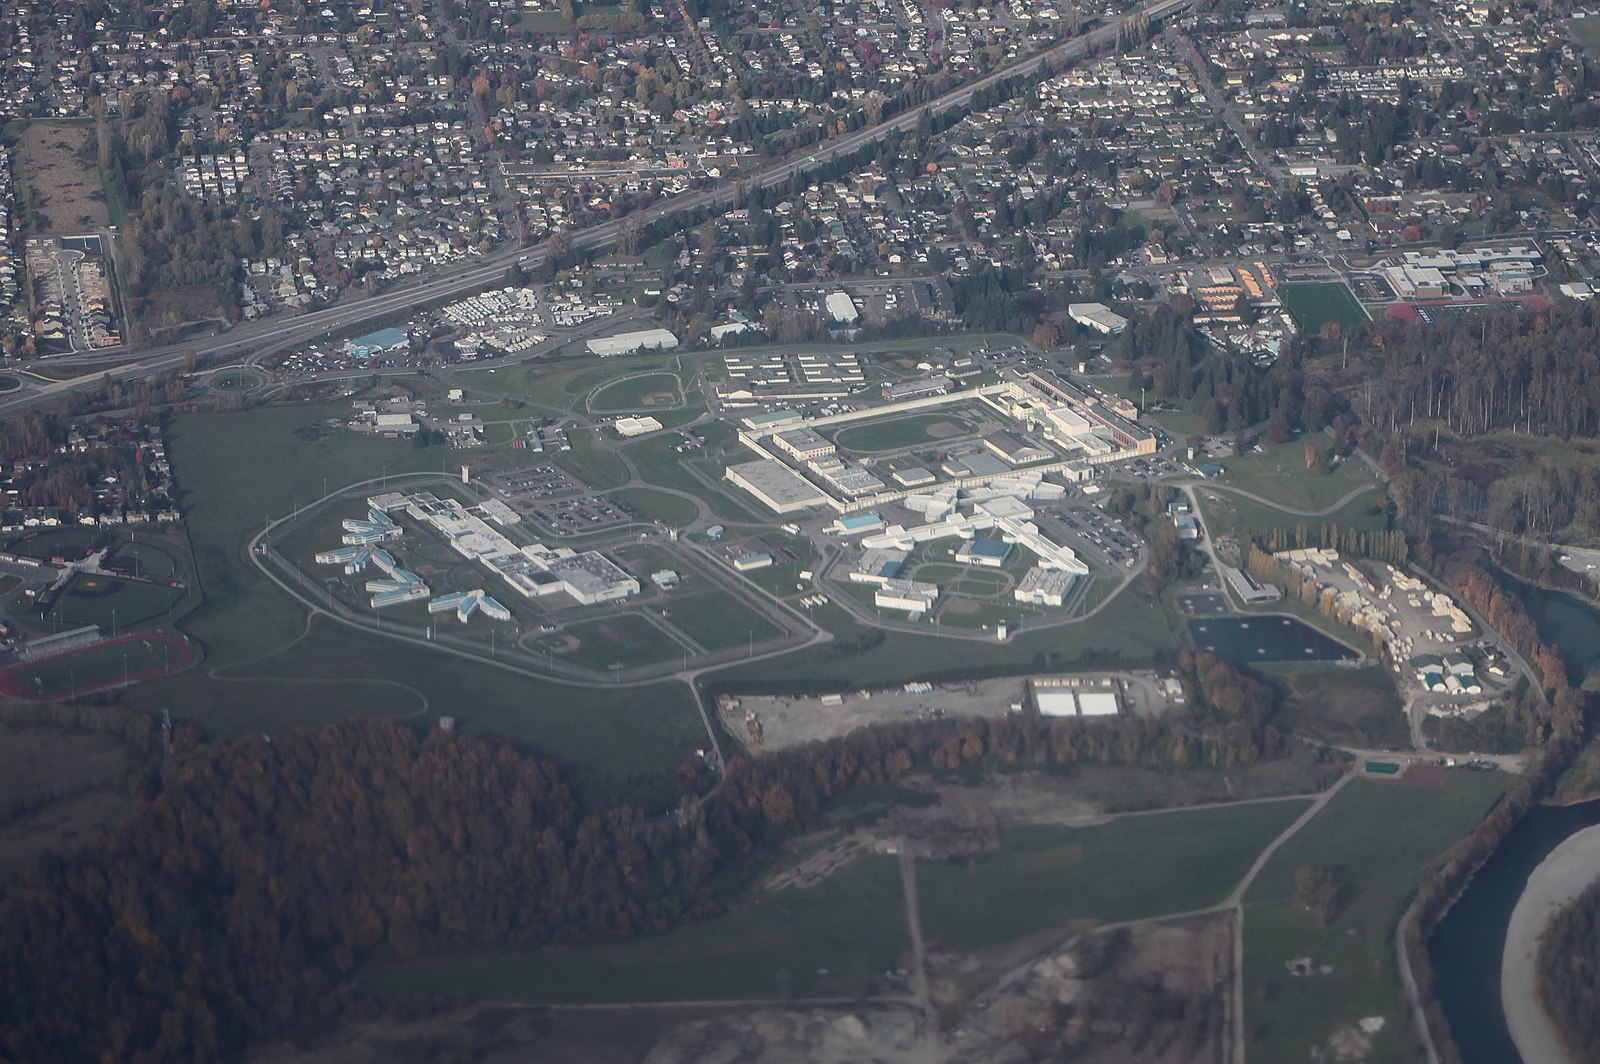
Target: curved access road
point(1560, 878)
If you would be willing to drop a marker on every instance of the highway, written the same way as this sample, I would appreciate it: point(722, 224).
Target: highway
point(262, 337)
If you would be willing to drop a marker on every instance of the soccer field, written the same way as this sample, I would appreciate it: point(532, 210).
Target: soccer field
point(1316, 303)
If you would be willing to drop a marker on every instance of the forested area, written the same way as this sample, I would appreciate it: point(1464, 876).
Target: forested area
point(1569, 974)
point(254, 874)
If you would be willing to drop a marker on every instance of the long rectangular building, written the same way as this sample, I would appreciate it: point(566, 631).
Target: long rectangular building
point(778, 487)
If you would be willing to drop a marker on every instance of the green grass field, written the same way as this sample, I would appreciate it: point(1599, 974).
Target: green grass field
point(147, 559)
point(104, 664)
point(72, 543)
point(909, 430)
point(600, 469)
point(653, 505)
point(1315, 303)
point(716, 620)
point(1044, 877)
point(658, 463)
point(1133, 630)
point(625, 639)
point(642, 392)
point(102, 600)
point(1279, 474)
point(236, 380)
point(775, 945)
point(1383, 836)
point(274, 676)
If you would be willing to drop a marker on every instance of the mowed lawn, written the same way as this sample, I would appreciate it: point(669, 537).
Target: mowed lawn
point(716, 620)
point(237, 469)
point(1279, 474)
point(1382, 837)
point(622, 640)
point(911, 430)
point(1044, 877)
point(1316, 303)
point(94, 599)
point(646, 391)
point(778, 944)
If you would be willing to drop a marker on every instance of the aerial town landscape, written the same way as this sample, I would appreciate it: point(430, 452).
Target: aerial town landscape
point(856, 530)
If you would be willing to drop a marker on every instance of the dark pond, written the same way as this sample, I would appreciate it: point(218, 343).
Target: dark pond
point(1265, 638)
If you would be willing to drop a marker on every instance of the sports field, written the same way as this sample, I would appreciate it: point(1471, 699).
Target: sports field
point(908, 430)
point(107, 664)
point(90, 598)
point(645, 392)
point(70, 543)
point(1316, 303)
point(144, 559)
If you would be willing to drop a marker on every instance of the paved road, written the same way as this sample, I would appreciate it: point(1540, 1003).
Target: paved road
point(1560, 878)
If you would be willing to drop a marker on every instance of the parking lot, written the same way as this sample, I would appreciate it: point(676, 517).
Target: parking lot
point(540, 482)
point(583, 513)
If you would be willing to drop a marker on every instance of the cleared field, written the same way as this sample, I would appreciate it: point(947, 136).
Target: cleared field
point(647, 391)
point(716, 620)
point(93, 599)
point(58, 168)
point(829, 940)
point(1316, 303)
point(1044, 877)
point(624, 640)
point(1379, 839)
point(910, 430)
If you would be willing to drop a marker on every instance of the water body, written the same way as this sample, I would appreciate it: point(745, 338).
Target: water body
point(1467, 944)
point(1266, 638)
point(1569, 623)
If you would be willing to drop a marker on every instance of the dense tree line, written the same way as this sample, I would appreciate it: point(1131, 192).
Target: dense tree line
point(1444, 884)
point(1569, 974)
point(1503, 610)
point(254, 874)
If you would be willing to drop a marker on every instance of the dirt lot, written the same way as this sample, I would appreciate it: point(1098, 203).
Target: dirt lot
point(58, 163)
point(774, 722)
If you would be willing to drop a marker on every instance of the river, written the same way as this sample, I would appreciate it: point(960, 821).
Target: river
point(1467, 944)
point(1569, 623)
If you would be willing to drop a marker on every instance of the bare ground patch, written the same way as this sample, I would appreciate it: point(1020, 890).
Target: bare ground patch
point(58, 162)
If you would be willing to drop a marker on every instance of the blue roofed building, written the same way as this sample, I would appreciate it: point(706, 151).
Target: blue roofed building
point(377, 344)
